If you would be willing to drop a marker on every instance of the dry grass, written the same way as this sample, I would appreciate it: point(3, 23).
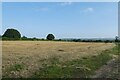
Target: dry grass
point(30, 55)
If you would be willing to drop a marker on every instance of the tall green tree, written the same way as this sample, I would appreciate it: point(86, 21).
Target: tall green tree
point(50, 37)
point(12, 34)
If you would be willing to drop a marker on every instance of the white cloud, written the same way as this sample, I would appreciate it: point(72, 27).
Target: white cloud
point(89, 9)
point(65, 3)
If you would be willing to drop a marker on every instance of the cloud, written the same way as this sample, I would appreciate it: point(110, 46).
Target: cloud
point(65, 3)
point(89, 9)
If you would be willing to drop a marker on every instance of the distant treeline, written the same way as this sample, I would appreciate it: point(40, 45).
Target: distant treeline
point(67, 40)
point(13, 34)
point(91, 40)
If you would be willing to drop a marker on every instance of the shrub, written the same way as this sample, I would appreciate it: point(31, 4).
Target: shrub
point(50, 37)
point(12, 34)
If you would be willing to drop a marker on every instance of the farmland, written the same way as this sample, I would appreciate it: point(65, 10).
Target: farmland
point(32, 58)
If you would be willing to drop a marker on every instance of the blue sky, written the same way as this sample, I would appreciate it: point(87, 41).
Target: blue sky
point(63, 19)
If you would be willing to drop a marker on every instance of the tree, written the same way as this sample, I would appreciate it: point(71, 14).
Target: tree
point(50, 37)
point(12, 34)
point(116, 38)
point(24, 37)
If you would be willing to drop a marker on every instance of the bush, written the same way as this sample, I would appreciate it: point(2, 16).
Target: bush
point(50, 37)
point(12, 34)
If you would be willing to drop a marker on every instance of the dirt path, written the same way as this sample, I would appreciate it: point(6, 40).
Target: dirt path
point(111, 70)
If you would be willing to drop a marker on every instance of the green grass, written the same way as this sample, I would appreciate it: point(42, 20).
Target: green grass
point(17, 67)
point(76, 68)
point(13, 68)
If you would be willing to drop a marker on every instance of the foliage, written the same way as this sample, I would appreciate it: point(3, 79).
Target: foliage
point(50, 37)
point(11, 34)
point(116, 38)
point(24, 37)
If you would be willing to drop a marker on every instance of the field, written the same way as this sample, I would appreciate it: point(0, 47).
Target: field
point(35, 58)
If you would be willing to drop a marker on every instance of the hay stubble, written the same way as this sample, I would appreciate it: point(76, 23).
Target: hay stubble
point(32, 53)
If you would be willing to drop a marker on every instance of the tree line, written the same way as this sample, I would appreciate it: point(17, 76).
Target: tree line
point(13, 34)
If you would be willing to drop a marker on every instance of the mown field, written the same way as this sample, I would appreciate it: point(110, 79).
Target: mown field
point(54, 59)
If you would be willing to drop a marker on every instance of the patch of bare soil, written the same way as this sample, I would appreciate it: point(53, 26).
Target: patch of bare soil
point(110, 70)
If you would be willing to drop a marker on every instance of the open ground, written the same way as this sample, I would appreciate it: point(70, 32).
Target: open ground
point(25, 58)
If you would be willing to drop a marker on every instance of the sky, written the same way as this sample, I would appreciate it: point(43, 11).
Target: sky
point(63, 19)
